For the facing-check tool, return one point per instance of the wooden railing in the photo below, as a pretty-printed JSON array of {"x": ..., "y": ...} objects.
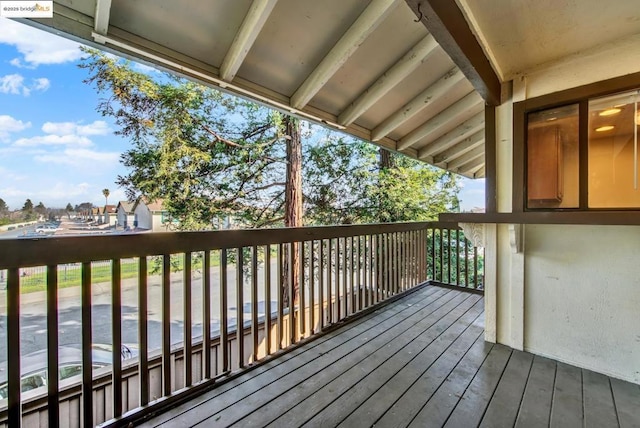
[{"x": 208, "y": 304}]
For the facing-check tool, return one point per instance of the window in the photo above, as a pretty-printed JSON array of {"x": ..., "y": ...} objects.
[
  {"x": 552, "y": 158},
  {"x": 579, "y": 153},
  {"x": 613, "y": 152}
]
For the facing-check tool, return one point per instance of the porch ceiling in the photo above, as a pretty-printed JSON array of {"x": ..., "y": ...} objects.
[
  {"x": 364, "y": 67},
  {"x": 522, "y": 35}
]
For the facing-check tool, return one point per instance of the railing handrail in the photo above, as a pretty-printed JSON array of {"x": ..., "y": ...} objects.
[{"x": 30, "y": 252}]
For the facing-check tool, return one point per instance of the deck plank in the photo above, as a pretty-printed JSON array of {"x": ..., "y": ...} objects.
[
  {"x": 566, "y": 409},
  {"x": 627, "y": 399},
  {"x": 503, "y": 408},
  {"x": 393, "y": 377},
  {"x": 535, "y": 409},
  {"x": 224, "y": 395},
  {"x": 404, "y": 395},
  {"x": 474, "y": 401},
  {"x": 437, "y": 410},
  {"x": 599, "y": 409},
  {"x": 366, "y": 344},
  {"x": 350, "y": 366}
]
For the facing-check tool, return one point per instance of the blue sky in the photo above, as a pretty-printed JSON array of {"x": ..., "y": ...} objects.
[{"x": 54, "y": 147}]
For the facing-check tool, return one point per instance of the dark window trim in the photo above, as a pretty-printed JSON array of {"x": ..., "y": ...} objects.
[{"x": 579, "y": 95}]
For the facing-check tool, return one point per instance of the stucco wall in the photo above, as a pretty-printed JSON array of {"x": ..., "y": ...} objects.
[
  {"x": 143, "y": 216},
  {"x": 582, "y": 296}
]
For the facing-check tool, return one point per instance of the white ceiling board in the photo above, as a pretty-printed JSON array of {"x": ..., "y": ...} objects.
[{"x": 522, "y": 34}]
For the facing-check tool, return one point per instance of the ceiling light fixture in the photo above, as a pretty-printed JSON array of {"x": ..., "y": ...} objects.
[
  {"x": 605, "y": 128},
  {"x": 610, "y": 111}
]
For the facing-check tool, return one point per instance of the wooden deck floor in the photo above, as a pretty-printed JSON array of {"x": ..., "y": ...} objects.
[{"x": 420, "y": 361}]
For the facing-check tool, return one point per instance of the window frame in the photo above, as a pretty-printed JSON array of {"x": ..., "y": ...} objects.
[{"x": 581, "y": 96}]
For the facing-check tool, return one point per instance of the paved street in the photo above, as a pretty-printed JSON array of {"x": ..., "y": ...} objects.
[{"x": 33, "y": 311}]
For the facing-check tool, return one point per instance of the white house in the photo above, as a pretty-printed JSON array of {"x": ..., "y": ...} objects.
[
  {"x": 150, "y": 215},
  {"x": 109, "y": 215},
  {"x": 124, "y": 214}
]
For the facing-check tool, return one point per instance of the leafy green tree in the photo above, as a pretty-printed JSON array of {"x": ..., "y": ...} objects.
[
  {"x": 69, "y": 209},
  {"x": 40, "y": 209},
  {"x": 206, "y": 154},
  {"x": 350, "y": 181},
  {"x": 211, "y": 156},
  {"x": 4, "y": 208},
  {"x": 27, "y": 210},
  {"x": 28, "y": 206}
]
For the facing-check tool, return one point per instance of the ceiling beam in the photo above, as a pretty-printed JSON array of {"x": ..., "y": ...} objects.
[
  {"x": 252, "y": 24},
  {"x": 101, "y": 20},
  {"x": 350, "y": 41},
  {"x": 481, "y": 173},
  {"x": 459, "y": 149},
  {"x": 432, "y": 93},
  {"x": 445, "y": 20},
  {"x": 389, "y": 79},
  {"x": 467, "y": 157},
  {"x": 453, "y": 137},
  {"x": 472, "y": 167},
  {"x": 431, "y": 127}
]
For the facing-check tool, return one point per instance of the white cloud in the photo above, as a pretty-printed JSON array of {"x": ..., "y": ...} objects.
[
  {"x": 11, "y": 84},
  {"x": 81, "y": 157},
  {"x": 8, "y": 124},
  {"x": 54, "y": 140},
  {"x": 10, "y": 175},
  {"x": 14, "y": 84},
  {"x": 37, "y": 46},
  {"x": 98, "y": 127},
  {"x": 41, "y": 84}
]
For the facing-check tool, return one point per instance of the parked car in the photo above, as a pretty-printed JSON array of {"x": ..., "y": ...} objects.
[
  {"x": 47, "y": 228},
  {"x": 34, "y": 366}
]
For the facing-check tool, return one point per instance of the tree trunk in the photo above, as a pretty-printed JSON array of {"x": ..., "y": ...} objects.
[{"x": 293, "y": 201}]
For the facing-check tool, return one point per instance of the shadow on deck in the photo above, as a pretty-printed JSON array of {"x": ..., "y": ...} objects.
[{"x": 419, "y": 361}]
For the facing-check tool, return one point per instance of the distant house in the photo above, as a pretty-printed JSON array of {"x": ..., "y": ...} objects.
[
  {"x": 109, "y": 215},
  {"x": 124, "y": 214},
  {"x": 150, "y": 215},
  {"x": 96, "y": 215}
]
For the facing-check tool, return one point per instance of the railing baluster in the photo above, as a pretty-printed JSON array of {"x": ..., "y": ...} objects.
[
  {"x": 267, "y": 298},
  {"x": 337, "y": 280},
  {"x": 301, "y": 294},
  {"x": 188, "y": 357},
  {"x": 449, "y": 256},
  {"x": 345, "y": 271},
  {"x": 53, "y": 403},
  {"x": 292, "y": 294},
  {"x": 458, "y": 279},
  {"x": 359, "y": 274},
  {"x": 321, "y": 284},
  {"x": 13, "y": 347},
  {"x": 166, "y": 324},
  {"x": 330, "y": 310},
  {"x": 312, "y": 288},
  {"x": 466, "y": 263},
  {"x": 353, "y": 286},
  {"x": 254, "y": 303},
  {"x": 143, "y": 336},
  {"x": 206, "y": 315},
  {"x": 116, "y": 334},
  {"x": 87, "y": 363},
  {"x": 371, "y": 264},
  {"x": 240, "y": 306},
  {"x": 224, "y": 315},
  {"x": 280, "y": 261},
  {"x": 475, "y": 267}
]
